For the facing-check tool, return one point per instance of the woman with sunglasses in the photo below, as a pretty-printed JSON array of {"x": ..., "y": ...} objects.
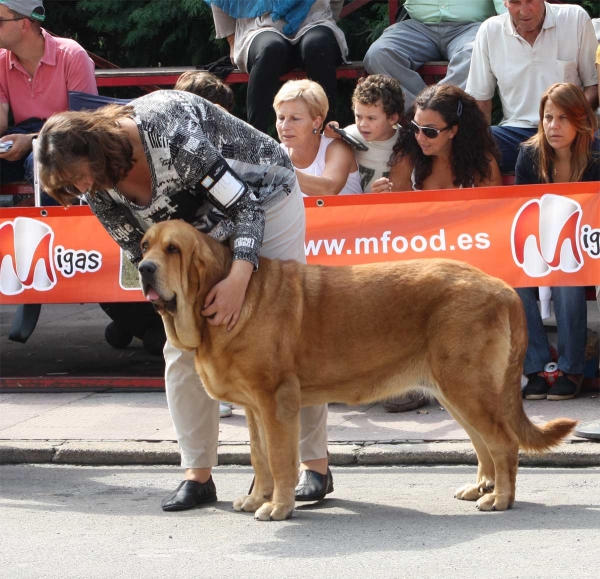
[
  {"x": 561, "y": 151},
  {"x": 447, "y": 145}
]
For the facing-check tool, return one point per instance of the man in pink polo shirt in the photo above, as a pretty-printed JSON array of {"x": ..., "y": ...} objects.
[{"x": 36, "y": 72}]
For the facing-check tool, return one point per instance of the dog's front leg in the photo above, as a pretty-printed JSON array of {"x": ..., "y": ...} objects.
[
  {"x": 280, "y": 420},
  {"x": 263, "y": 480}
]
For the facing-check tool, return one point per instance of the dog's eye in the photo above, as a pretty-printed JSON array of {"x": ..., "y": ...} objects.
[
  {"x": 144, "y": 247},
  {"x": 172, "y": 249}
]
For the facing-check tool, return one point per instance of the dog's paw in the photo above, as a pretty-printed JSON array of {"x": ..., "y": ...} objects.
[
  {"x": 474, "y": 492},
  {"x": 493, "y": 502},
  {"x": 274, "y": 512},
  {"x": 247, "y": 503},
  {"x": 468, "y": 493}
]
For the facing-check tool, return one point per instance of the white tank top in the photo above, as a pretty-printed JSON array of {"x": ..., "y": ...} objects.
[{"x": 317, "y": 167}]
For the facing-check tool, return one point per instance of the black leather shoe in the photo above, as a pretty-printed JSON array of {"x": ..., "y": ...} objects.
[
  {"x": 313, "y": 486},
  {"x": 190, "y": 494}
]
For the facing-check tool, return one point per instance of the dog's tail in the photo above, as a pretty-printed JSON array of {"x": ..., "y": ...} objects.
[{"x": 531, "y": 437}]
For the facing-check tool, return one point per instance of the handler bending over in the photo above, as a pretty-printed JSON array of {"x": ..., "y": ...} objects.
[{"x": 173, "y": 155}]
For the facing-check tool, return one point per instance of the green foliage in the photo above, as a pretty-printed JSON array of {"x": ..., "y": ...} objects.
[
  {"x": 592, "y": 7},
  {"x": 152, "y": 32}
]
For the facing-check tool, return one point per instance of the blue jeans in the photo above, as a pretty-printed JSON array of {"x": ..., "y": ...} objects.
[
  {"x": 508, "y": 140},
  {"x": 571, "y": 322},
  {"x": 405, "y": 46}
]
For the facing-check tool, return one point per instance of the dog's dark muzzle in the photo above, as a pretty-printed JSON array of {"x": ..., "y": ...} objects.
[{"x": 147, "y": 270}]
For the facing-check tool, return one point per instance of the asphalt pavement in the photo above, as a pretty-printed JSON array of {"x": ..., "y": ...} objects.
[{"x": 380, "y": 523}]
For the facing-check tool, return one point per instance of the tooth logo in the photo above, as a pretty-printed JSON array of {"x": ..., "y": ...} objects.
[
  {"x": 26, "y": 256},
  {"x": 545, "y": 236}
]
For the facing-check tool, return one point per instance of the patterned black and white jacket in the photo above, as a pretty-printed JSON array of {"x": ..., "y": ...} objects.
[{"x": 208, "y": 168}]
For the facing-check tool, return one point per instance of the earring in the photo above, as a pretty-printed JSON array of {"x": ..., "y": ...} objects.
[{"x": 315, "y": 131}]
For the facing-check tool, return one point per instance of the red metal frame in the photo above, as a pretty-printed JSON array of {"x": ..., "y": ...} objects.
[
  {"x": 80, "y": 383},
  {"x": 16, "y": 189}
]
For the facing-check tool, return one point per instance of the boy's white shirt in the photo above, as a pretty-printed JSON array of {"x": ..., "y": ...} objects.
[{"x": 372, "y": 164}]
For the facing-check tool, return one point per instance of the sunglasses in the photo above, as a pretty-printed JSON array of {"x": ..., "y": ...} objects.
[
  {"x": 12, "y": 19},
  {"x": 429, "y": 132}
]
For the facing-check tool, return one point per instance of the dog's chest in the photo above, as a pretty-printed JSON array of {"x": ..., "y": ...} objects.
[{"x": 215, "y": 377}]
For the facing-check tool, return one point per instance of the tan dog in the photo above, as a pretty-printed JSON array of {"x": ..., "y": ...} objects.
[{"x": 310, "y": 335}]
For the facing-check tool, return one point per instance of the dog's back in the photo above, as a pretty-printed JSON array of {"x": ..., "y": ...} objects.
[{"x": 364, "y": 328}]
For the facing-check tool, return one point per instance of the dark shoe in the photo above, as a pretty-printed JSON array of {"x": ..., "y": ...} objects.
[
  {"x": 536, "y": 388},
  {"x": 313, "y": 486},
  {"x": 190, "y": 494},
  {"x": 406, "y": 402},
  {"x": 563, "y": 389}
]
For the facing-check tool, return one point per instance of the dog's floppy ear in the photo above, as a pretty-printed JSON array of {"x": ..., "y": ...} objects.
[{"x": 201, "y": 269}]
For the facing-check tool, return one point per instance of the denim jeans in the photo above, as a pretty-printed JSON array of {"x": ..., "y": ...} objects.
[
  {"x": 571, "y": 321},
  {"x": 508, "y": 140}
]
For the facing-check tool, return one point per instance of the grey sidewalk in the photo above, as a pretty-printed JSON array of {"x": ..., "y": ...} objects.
[{"x": 135, "y": 428}]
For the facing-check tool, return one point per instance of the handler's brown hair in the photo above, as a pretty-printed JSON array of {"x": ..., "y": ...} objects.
[{"x": 70, "y": 138}]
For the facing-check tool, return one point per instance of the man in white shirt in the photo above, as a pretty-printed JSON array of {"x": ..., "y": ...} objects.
[{"x": 522, "y": 53}]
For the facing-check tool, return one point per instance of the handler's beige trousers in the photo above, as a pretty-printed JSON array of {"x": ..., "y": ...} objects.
[{"x": 195, "y": 415}]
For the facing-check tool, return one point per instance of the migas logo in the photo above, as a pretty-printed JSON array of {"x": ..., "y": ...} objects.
[
  {"x": 547, "y": 235},
  {"x": 28, "y": 259}
]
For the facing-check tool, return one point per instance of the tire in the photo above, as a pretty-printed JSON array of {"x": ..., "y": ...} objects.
[{"x": 117, "y": 337}]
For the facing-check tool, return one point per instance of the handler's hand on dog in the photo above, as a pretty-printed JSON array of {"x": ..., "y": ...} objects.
[{"x": 225, "y": 300}]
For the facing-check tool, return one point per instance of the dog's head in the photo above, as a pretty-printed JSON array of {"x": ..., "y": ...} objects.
[{"x": 179, "y": 267}]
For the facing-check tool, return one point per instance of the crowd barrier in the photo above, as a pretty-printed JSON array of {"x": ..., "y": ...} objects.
[{"x": 541, "y": 235}]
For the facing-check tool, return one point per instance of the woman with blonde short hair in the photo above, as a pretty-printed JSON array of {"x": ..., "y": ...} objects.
[{"x": 324, "y": 166}]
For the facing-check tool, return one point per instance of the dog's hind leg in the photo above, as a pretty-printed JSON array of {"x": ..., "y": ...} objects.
[
  {"x": 263, "y": 479},
  {"x": 280, "y": 420},
  {"x": 485, "y": 464},
  {"x": 483, "y": 412}
]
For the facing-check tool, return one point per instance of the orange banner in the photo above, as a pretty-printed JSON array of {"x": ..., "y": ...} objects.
[{"x": 527, "y": 235}]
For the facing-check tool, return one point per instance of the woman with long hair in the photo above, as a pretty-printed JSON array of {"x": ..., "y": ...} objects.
[
  {"x": 446, "y": 145},
  {"x": 174, "y": 155},
  {"x": 562, "y": 151},
  {"x": 324, "y": 166}
]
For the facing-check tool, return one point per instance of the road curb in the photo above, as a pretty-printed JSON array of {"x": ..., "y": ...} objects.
[{"x": 116, "y": 453}]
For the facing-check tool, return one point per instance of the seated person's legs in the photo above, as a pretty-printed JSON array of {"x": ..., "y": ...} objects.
[
  {"x": 269, "y": 57},
  {"x": 571, "y": 316},
  {"x": 399, "y": 51},
  {"x": 458, "y": 51},
  {"x": 538, "y": 348},
  {"x": 319, "y": 54},
  {"x": 508, "y": 140},
  {"x": 571, "y": 321},
  {"x": 11, "y": 171}
]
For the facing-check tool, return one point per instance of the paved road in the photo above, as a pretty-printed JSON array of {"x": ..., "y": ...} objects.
[{"x": 76, "y": 522}]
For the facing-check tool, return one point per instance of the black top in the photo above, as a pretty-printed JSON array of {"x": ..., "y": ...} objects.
[{"x": 526, "y": 169}]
